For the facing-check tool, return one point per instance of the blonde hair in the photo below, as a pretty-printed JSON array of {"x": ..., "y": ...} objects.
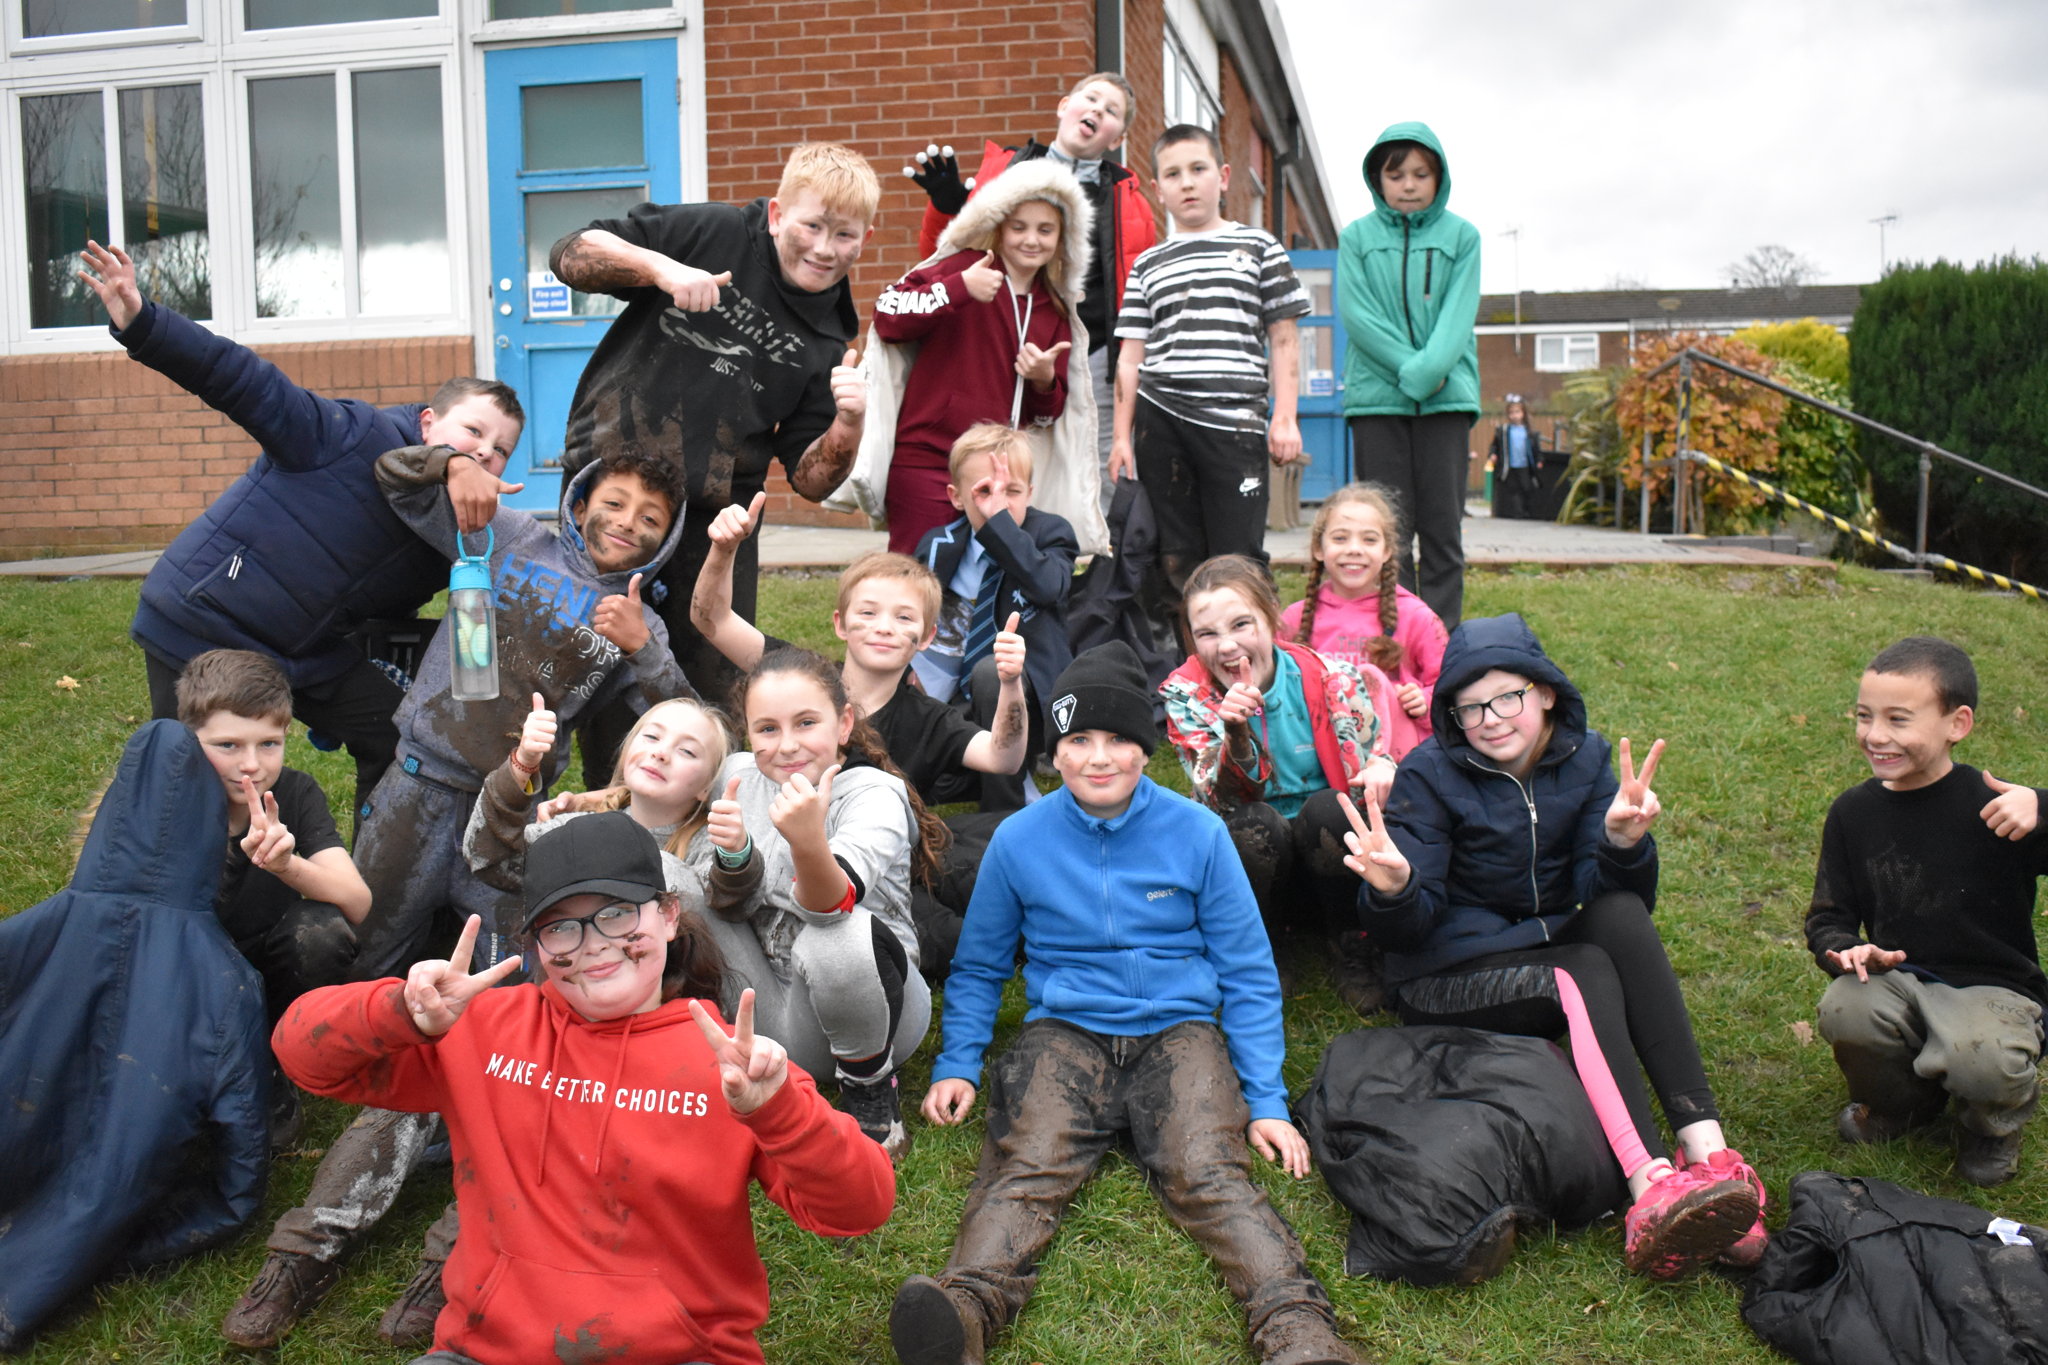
[
  {"x": 986, "y": 438},
  {"x": 889, "y": 564},
  {"x": 1382, "y": 651},
  {"x": 721, "y": 745},
  {"x": 1054, "y": 271},
  {"x": 1117, "y": 79},
  {"x": 841, "y": 176}
]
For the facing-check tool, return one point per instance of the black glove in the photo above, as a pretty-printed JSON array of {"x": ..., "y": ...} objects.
[{"x": 937, "y": 173}]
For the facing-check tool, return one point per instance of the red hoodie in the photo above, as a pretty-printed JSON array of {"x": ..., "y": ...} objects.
[{"x": 601, "y": 1178}]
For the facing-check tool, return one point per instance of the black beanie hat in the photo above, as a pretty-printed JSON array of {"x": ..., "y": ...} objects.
[{"x": 1104, "y": 689}]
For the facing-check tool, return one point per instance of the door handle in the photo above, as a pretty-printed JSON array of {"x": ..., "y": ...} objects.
[{"x": 504, "y": 342}]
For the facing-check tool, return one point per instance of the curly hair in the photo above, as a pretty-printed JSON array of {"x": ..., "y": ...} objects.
[
  {"x": 660, "y": 475},
  {"x": 1383, "y": 651}
]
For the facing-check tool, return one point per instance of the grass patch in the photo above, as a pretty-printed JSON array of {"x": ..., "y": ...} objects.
[{"x": 1748, "y": 673}]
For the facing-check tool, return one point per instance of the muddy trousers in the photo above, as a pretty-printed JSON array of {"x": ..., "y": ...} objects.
[
  {"x": 1422, "y": 461},
  {"x": 295, "y": 945},
  {"x": 357, "y": 1183},
  {"x": 1296, "y": 865},
  {"x": 1906, "y": 1045},
  {"x": 1606, "y": 981},
  {"x": 1208, "y": 488},
  {"x": 1057, "y": 1101},
  {"x": 409, "y": 850}
]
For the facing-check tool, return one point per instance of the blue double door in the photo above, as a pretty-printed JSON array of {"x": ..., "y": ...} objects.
[
  {"x": 574, "y": 132},
  {"x": 1324, "y": 436}
]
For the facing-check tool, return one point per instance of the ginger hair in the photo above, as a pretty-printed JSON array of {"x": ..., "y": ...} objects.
[{"x": 841, "y": 176}]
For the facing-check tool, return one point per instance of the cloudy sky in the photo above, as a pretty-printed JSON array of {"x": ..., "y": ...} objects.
[{"x": 1657, "y": 144}]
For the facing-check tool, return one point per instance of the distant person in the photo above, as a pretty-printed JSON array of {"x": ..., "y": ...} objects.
[
  {"x": 1513, "y": 454},
  {"x": 1408, "y": 293},
  {"x": 1923, "y": 912}
]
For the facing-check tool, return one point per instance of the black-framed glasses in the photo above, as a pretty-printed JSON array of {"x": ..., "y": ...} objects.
[
  {"x": 564, "y": 936},
  {"x": 1507, "y": 706}
]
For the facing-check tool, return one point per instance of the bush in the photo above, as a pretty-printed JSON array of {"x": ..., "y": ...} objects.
[
  {"x": 1959, "y": 357},
  {"x": 1812, "y": 345},
  {"x": 1732, "y": 420}
]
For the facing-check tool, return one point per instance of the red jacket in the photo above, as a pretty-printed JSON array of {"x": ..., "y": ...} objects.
[
  {"x": 601, "y": 1178},
  {"x": 1131, "y": 226},
  {"x": 967, "y": 371}
]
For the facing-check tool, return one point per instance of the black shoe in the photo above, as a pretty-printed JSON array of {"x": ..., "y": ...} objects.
[
  {"x": 287, "y": 1118},
  {"x": 1985, "y": 1160},
  {"x": 877, "y": 1106},
  {"x": 1357, "y": 973},
  {"x": 1859, "y": 1123},
  {"x": 929, "y": 1326},
  {"x": 409, "y": 1321}
]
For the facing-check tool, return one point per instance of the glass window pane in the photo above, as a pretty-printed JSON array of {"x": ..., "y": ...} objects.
[
  {"x": 401, "y": 193},
  {"x": 64, "y": 160},
  {"x": 568, "y": 127},
  {"x": 1316, "y": 280},
  {"x": 295, "y": 197},
  {"x": 163, "y": 196},
  {"x": 50, "y": 18},
  {"x": 548, "y": 9},
  {"x": 554, "y": 214},
  {"x": 294, "y": 13}
]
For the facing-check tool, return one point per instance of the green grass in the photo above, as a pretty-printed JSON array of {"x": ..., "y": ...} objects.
[{"x": 1749, "y": 674}]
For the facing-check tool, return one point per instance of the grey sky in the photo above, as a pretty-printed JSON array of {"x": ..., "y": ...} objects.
[{"x": 1661, "y": 143}]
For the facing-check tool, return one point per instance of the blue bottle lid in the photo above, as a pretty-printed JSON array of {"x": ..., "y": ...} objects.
[{"x": 473, "y": 571}]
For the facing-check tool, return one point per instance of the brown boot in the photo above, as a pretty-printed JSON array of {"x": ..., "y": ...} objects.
[
  {"x": 287, "y": 1288},
  {"x": 928, "y": 1325},
  {"x": 1302, "y": 1336},
  {"x": 409, "y": 1321}
]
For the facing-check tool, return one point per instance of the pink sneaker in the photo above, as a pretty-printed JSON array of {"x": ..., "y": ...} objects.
[
  {"x": 1748, "y": 1249},
  {"x": 1685, "y": 1220}
]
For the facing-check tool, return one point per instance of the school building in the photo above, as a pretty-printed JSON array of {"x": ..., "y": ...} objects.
[{"x": 365, "y": 191}]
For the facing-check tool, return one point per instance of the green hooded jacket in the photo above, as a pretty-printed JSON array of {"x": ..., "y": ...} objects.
[{"x": 1408, "y": 291}]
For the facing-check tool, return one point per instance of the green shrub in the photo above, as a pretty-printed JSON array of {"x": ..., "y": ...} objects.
[{"x": 1809, "y": 343}]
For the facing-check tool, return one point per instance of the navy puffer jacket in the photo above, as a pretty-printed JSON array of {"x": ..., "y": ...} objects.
[
  {"x": 1500, "y": 863},
  {"x": 300, "y": 549}
]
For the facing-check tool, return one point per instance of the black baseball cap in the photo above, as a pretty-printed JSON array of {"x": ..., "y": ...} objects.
[{"x": 610, "y": 853}]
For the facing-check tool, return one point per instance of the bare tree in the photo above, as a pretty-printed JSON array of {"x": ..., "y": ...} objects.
[
  {"x": 1771, "y": 267},
  {"x": 1622, "y": 281}
]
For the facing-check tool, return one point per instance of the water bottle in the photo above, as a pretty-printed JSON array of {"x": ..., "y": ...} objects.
[{"x": 473, "y": 624}]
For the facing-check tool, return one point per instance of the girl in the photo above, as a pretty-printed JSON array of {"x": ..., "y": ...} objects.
[
  {"x": 817, "y": 838},
  {"x": 1511, "y": 884},
  {"x": 1354, "y": 609},
  {"x": 985, "y": 331},
  {"x": 1408, "y": 291},
  {"x": 1270, "y": 732},
  {"x": 606, "y": 1126},
  {"x": 1512, "y": 457}
]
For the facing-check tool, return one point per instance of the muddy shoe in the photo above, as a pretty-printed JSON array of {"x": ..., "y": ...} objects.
[
  {"x": 877, "y": 1106},
  {"x": 1687, "y": 1219},
  {"x": 287, "y": 1116},
  {"x": 1301, "y": 1336},
  {"x": 1985, "y": 1160},
  {"x": 287, "y": 1288},
  {"x": 409, "y": 1321},
  {"x": 1859, "y": 1123},
  {"x": 1356, "y": 973},
  {"x": 930, "y": 1326}
]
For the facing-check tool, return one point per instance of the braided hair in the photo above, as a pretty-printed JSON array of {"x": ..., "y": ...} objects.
[{"x": 1383, "y": 651}]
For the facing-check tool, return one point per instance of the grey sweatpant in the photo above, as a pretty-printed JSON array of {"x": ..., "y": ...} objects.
[{"x": 1905, "y": 1045}]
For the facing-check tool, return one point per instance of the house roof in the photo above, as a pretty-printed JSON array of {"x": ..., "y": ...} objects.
[{"x": 1677, "y": 307}]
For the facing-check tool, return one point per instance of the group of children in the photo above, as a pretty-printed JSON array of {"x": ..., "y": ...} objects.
[{"x": 1430, "y": 808}]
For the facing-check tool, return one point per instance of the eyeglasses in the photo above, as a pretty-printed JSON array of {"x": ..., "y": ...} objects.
[
  {"x": 564, "y": 936},
  {"x": 1507, "y": 706}
]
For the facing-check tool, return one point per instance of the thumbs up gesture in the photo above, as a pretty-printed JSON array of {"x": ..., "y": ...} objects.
[
  {"x": 2014, "y": 812},
  {"x": 473, "y": 492},
  {"x": 1009, "y": 650},
  {"x": 983, "y": 278},
  {"x": 1038, "y": 366},
  {"x": 694, "y": 290},
  {"x": 850, "y": 389},
  {"x": 724, "y": 825},
  {"x": 735, "y": 523},
  {"x": 937, "y": 173},
  {"x": 537, "y": 735},
  {"x": 621, "y": 619}
]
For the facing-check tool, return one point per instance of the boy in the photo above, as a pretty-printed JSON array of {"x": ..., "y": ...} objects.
[
  {"x": 1111, "y": 881},
  {"x": 1092, "y": 118},
  {"x": 300, "y": 549},
  {"x": 1199, "y": 314},
  {"x": 289, "y": 896},
  {"x": 733, "y": 351},
  {"x": 1923, "y": 913},
  {"x": 572, "y": 628}
]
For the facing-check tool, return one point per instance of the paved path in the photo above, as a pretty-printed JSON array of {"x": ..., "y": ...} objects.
[{"x": 1487, "y": 541}]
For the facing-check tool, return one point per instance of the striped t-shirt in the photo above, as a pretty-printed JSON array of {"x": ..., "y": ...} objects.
[{"x": 1202, "y": 304}]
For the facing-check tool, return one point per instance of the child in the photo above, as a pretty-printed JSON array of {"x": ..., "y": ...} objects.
[
  {"x": 289, "y": 896},
  {"x": 1199, "y": 314},
  {"x": 818, "y": 839},
  {"x": 1511, "y": 884},
  {"x": 1092, "y": 118},
  {"x": 1137, "y": 927},
  {"x": 1511, "y": 455},
  {"x": 985, "y": 328},
  {"x": 1408, "y": 292},
  {"x": 607, "y": 1200},
  {"x": 1923, "y": 912},
  {"x": 1354, "y": 609},
  {"x": 1270, "y": 733},
  {"x": 299, "y": 550},
  {"x": 571, "y": 626}
]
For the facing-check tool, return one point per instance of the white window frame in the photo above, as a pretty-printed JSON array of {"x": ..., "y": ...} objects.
[
  {"x": 1179, "y": 69},
  {"x": 20, "y": 45},
  {"x": 1566, "y": 343},
  {"x": 655, "y": 16}
]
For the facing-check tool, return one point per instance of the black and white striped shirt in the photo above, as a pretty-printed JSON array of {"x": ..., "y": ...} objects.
[{"x": 1202, "y": 304}]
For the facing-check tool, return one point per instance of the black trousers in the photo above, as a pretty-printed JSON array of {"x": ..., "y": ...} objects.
[
  {"x": 1296, "y": 865},
  {"x": 1208, "y": 488},
  {"x": 1421, "y": 461}
]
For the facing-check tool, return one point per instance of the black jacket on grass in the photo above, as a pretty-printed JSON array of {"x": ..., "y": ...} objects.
[{"x": 132, "y": 1044}]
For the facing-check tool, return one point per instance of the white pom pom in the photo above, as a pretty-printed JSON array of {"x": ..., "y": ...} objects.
[
  {"x": 910, "y": 171},
  {"x": 949, "y": 151},
  {"x": 970, "y": 182},
  {"x": 933, "y": 150}
]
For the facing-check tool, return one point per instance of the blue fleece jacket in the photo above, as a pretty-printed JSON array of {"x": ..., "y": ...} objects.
[
  {"x": 1499, "y": 862},
  {"x": 1130, "y": 926}
]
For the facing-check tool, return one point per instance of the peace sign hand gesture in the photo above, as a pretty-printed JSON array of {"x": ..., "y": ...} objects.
[
  {"x": 1635, "y": 805},
  {"x": 751, "y": 1068},
  {"x": 436, "y": 993},
  {"x": 268, "y": 844},
  {"x": 1374, "y": 854}
]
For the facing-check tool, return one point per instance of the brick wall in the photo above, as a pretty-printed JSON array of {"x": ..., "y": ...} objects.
[
  {"x": 100, "y": 453},
  {"x": 1501, "y": 371}
]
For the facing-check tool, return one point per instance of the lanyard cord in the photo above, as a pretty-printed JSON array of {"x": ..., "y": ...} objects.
[{"x": 1023, "y": 326}]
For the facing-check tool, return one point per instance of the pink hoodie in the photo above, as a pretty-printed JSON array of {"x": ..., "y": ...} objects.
[{"x": 1343, "y": 625}]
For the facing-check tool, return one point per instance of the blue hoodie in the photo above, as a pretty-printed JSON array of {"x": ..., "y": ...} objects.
[
  {"x": 1499, "y": 863},
  {"x": 1130, "y": 926}
]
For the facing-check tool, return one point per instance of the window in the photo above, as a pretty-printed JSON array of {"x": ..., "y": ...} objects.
[
  {"x": 1187, "y": 94},
  {"x": 62, "y": 18},
  {"x": 261, "y": 14},
  {"x": 1563, "y": 351},
  {"x": 549, "y": 9}
]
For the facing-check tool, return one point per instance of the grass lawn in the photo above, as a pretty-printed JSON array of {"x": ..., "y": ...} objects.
[{"x": 1749, "y": 674}]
